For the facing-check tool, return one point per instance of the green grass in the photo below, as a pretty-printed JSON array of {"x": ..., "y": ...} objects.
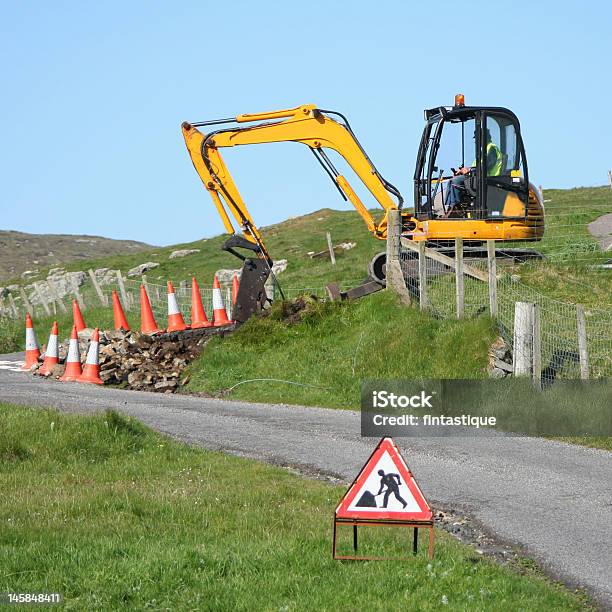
[
  {"x": 334, "y": 347},
  {"x": 114, "y": 516},
  {"x": 291, "y": 240},
  {"x": 567, "y": 274},
  {"x": 569, "y": 249}
]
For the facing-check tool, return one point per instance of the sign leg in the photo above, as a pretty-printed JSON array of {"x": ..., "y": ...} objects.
[
  {"x": 431, "y": 542},
  {"x": 415, "y": 540},
  {"x": 334, "y": 541},
  {"x": 355, "y": 538}
]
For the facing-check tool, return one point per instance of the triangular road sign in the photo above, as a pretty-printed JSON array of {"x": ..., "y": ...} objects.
[{"x": 385, "y": 490}]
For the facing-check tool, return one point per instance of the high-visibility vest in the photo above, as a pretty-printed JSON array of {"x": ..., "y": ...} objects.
[{"x": 496, "y": 168}]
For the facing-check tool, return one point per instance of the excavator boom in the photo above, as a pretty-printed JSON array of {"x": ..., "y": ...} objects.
[{"x": 315, "y": 128}]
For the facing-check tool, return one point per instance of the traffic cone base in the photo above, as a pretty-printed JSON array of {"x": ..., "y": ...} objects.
[
  {"x": 91, "y": 369},
  {"x": 175, "y": 318},
  {"x": 198, "y": 314},
  {"x": 32, "y": 352},
  {"x": 73, "y": 361},
  {"x": 148, "y": 324},
  {"x": 51, "y": 354},
  {"x": 219, "y": 313}
]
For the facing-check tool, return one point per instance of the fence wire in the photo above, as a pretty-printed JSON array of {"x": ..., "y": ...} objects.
[{"x": 558, "y": 320}]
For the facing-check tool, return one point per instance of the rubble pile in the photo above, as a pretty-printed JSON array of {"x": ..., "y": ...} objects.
[
  {"x": 151, "y": 363},
  {"x": 140, "y": 361}
]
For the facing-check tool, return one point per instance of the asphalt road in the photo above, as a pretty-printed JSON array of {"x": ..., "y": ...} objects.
[{"x": 553, "y": 499}]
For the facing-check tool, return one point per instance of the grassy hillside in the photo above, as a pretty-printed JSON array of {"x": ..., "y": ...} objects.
[
  {"x": 322, "y": 359},
  {"x": 116, "y": 517},
  {"x": 567, "y": 274},
  {"x": 21, "y": 252},
  {"x": 570, "y": 250}
]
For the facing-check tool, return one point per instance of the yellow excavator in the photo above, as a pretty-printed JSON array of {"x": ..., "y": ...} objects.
[{"x": 470, "y": 180}]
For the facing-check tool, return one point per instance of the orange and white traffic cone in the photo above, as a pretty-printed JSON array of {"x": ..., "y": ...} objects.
[
  {"x": 219, "y": 313},
  {"x": 91, "y": 369},
  {"x": 148, "y": 324},
  {"x": 51, "y": 354},
  {"x": 118, "y": 315},
  {"x": 77, "y": 317},
  {"x": 235, "y": 287},
  {"x": 32, "y": 352},
  {"x": 175, "y": 318},
  {"x": 198, "y": 314},
  {"x": 73, "y": 361}
]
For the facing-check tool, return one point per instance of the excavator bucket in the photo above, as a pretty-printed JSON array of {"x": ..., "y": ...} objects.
[{"x": 252, "y": 296}]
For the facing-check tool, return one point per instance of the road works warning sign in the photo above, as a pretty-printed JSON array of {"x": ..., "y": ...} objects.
[{"x": 385, "y": 489}]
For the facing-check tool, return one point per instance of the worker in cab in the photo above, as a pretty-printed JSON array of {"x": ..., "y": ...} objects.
[
  {"x": 494, "y": 160},
  {"x": 494, "y": 163}
]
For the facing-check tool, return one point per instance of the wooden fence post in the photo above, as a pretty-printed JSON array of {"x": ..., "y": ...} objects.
[
  {"x": 393, "y": 268},
  {"x": 124, "y": 297},
  {"x": 422, "y": 275},
  {"x": 54, "y": 292},
  {"x": 610, "y": 177},
  {"x": 41, "y": 297},
  {"x": 492, "y": 269},
  {"x": 330, "y": 246},
  {"x": 523, "y": 339},
  {"x": 13, "y": 305},
  {"x": 228, "y": 301},
  {"x": 26, "y": 302},
  {"x": 94, "y": 280},
  {"x": 582, "y": 342},
  {"x": 459, "y": 286},
  {"x": 536, "y": 347},
  {"x": 79, "y": 297}
]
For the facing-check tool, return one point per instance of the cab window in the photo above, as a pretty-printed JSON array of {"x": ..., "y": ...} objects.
[{"x": 502, "y": 151}]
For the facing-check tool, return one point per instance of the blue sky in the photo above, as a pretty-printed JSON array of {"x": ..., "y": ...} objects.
[{"x": 94, "y": 94}]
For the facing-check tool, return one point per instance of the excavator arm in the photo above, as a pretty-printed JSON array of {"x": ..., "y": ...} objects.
[{"x": 315, "y": 128}]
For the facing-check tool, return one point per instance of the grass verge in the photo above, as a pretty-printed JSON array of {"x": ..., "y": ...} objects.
[
  {"x": 323, "y": 358},
  {"x": 114, "y": 516}
]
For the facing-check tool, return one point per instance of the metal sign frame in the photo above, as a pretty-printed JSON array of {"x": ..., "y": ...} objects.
[{"x": 389, "y": 518}]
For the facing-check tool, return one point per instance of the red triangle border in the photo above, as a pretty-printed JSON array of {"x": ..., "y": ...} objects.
[{"x": 388, "y": 445}]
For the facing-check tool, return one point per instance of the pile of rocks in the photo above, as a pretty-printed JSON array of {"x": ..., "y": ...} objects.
[
  {"x": 500, "y": 359},
  {"x": 139, "y": 361},
  {"x": 151, "y": 363}
]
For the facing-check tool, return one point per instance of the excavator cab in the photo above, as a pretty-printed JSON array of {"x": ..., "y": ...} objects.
[{"x": 471, "y": 165}]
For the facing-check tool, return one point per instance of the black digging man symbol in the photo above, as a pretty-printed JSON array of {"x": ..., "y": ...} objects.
[{"x": 392, "y": 483}]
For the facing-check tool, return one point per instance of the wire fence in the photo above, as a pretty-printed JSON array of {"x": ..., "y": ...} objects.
[
  {"x": 46, "y": 301},
  {"x": 560, "y": 349},
  {"x": 558, "y": 321}
]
